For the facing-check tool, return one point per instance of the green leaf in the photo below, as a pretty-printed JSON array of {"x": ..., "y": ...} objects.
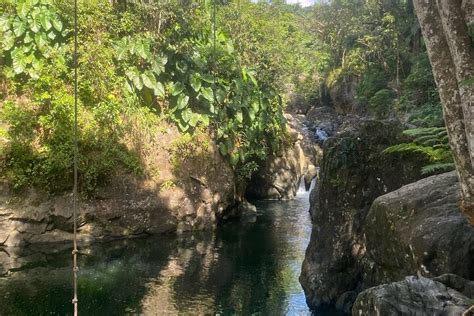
[
  {"x": 207, "y": 78},
  {"x": 4, "y": 23},
  {"x": 149, "y": 80},
  {"x": 19, "y": 64},
  {"x": 157, "y": 68},
  {"x": 194, "y": 120},
  {"x": 220, "y": 95},
  {"x": 182, "y": 66},
  {"x": 8, "y": 41},
  {"x": 159, "y": 90},
  {"x": 212, "y": 108},
  {"x": 182, "y": 101},
  {"x": 177, "y": 88},
  {"x": 19, "y": 27},
  {"x": 183, "y": 126},
  {"x": 252, "y": 78},
  {"x": 23, "y": 9},
  {"x": 239, "y": 116},
  {"x": 52, "y": 35},
  {"x": 205, "y": 120},
  {"x": 27, "y": 48},
  {"x": 255, "y": 106},
  {"x": 45, "y": 21},
  {"x": 40, "y": 40},
  {"x": 57, "y": 24},
  {"x": 223, "y": 149},
  {"x": 195, "y": 82},
  {"x": 251, "y": 114},
  {"x": 35, "y": 25},
  {"x": 141, "y": 50},
  {"x": 134, "y": 76},
  {"x": 207, "y": 93},
  {"x": 186, "y": 115},
  {"x": 28, "y": 38}
]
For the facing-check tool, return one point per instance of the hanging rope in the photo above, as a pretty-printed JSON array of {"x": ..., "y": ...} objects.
[
  {"x": 214, "y": 61},
  {"x": 75, "y": 268}
]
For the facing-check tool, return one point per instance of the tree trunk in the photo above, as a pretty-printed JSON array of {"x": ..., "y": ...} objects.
[{"x": 452, "y": 59}]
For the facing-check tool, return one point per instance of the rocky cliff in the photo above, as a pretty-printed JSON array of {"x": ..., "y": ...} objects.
[
  {"x": 370, "y": 227},
  {"x": 354, "y": 172},
  {"x": 187, "y": 185}
]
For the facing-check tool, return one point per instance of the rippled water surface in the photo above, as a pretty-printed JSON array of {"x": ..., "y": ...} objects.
[{"x": 240, "y": 269}]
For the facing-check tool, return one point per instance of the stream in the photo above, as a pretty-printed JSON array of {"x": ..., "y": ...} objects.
[{"x": 250, "y": 268}]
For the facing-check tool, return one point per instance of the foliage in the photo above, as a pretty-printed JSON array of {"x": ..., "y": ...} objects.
[
  {"x": 132, "y": 71},
  {"x": 272, "y": 38},
  {"x": 33, "y": 34},
  {"x": 431, "y": 142},
  {"x": 381, "y": 102},
  {"x": 419, "y": 95},
  {"x": 39, "y": 113},
  {"x": 377, "y": 45}
]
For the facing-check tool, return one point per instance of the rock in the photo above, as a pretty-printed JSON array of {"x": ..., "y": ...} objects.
[
  {"x": 323, "y": 118},
  {"x": 311, "y": 173},
  {"x": 344, "y": 95},
  {"x": 345, "y": 301},
  {"x": 353, "y": 173},
  {"x": 412, "y": 296},
  {"x": 297, "y": 104},
  {"x": 191, "y": 191},
  {"x": 279, "y": 176},
  {"x": 245, "y": 211},
  {"x": 457, "y": 283},
  {"x": 418, "y": 229}
]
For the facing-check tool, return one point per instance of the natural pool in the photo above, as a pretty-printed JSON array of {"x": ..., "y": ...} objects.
[{"x": 242, "y": 269}]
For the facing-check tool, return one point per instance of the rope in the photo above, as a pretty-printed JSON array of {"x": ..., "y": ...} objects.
[
  {"x": 214, "y": 61},
  {"x": 75, "y": 268}
]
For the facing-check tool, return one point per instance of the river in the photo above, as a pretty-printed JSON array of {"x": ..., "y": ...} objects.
[{"x": 244, "y": 269}]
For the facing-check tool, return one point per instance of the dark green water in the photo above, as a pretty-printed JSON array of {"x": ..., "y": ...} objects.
[{"x": 241, "y": 269}]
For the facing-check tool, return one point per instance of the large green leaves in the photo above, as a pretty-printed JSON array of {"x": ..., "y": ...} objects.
[
  {"x": 34, "y": 29},
  {"x": 195, "y": 82},
  {"x": 182, "y": 101}
]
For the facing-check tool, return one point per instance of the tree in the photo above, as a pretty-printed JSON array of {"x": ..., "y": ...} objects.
[{"x": 445, "y": 30}]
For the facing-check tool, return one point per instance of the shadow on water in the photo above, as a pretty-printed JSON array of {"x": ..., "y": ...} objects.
[{"x": 240, "y": 269}]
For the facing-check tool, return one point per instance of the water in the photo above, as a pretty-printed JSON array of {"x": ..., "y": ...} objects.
[
  {"x": 243, "y": 269},
  {"x": 321, "y": 134}
]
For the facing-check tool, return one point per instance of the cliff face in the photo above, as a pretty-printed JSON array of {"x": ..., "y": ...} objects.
[
  {"x": 353, "y": 173},
  {"x": 279, "y": 177},
  {"x": 187, "y": 186},
  {"x": 373, "y": 224}
]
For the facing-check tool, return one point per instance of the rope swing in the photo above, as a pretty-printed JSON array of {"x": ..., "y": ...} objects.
[{"x": 75, "y": 268}]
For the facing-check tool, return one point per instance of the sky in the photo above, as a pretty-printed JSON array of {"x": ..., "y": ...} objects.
[{"x": 303, "y": 3}]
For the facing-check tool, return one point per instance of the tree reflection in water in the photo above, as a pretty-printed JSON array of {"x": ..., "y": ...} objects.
[{"x": 241, "y": 268}]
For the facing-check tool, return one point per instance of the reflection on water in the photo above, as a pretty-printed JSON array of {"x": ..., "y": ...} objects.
[{"x": 240, "y": 269}]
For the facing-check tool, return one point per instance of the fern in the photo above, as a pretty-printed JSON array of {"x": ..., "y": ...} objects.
[
  {"x": 432, "y": 142},
  {"x": 432, "y": 168}
]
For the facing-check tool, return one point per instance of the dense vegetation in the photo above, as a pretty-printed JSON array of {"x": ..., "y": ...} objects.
[
  {"x": 151, "y": 63},
  {"x": 135, "y": 68}
]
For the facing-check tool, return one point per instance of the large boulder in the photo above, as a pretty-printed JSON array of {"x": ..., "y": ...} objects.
[
  {"x": 412, "y": 296},
  {"x": 279, "y": 176},
  {"x": 187, "y": 186},
  {"x": 418, "y": 229},
  {"x": 343, "y": 95},
  {"x": 353, "y": 173}
]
